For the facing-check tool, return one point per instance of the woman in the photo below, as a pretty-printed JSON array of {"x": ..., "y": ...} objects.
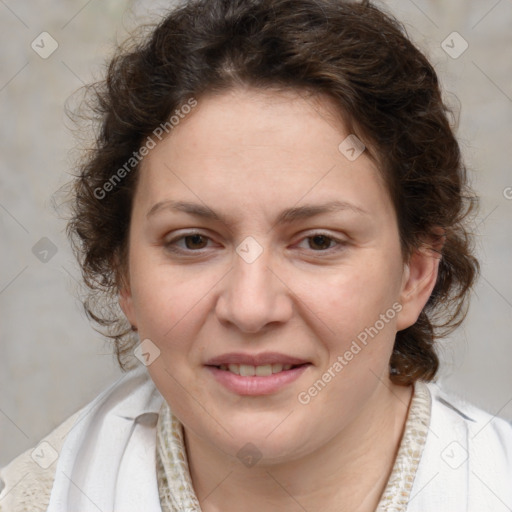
[{"x": 278, "y": 205}]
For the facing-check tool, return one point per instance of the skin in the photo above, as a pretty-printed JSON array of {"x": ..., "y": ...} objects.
[{"x": 247, "y": 155}]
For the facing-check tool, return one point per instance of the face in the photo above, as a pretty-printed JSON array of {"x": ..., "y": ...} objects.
[{"x": 265, "y": 267}]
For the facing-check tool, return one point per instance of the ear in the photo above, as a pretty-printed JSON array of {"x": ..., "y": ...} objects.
[{"x": 419, "y": 279}]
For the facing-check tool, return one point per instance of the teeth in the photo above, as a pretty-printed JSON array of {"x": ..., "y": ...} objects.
[
  {"x": 247, "y": 370},
  {"x": 234, "y": 368},
  {"x": 264, "y": 371}
]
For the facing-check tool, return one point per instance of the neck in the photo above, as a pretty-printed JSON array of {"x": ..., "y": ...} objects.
[{"x": 349, "y": 473}]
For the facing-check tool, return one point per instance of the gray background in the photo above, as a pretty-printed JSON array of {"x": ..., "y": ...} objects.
[{"x": 51, "y": 361}]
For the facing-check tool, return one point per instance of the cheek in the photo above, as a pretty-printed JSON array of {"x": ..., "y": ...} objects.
[
  {"x": 172, "y": 305},
  {"x": 351, "y": 299}
]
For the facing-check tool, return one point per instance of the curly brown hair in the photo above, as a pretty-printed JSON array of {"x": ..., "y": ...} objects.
[{"x": 358, "y": 55}]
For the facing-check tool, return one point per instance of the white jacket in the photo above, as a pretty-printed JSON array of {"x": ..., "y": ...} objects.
[{"x": 103, "y": 458}]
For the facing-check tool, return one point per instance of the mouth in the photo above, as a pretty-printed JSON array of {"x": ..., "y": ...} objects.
[{"x": 260, "y": 374}]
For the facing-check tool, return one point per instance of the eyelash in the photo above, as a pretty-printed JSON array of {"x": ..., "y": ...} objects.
[{"x": 170, "y": 245}]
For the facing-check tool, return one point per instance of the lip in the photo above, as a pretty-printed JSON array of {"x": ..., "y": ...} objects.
[
  {"x": 254, "y": 359},
  {"x": 255, "y": 386}
]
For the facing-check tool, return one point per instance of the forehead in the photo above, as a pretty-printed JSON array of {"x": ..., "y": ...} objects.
[
  {"x": 251, "y": 145},
  {"x": 250, "y": 119}
]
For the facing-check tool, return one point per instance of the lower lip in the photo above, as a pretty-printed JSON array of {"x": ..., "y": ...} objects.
[{"x": 256, "y": 385}]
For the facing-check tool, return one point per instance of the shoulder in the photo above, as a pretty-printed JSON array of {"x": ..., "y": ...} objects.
[
  {"x": 482, "y": 427},
  {"x": 467, "y": 460},
  {"x": 26, "y": 482}
]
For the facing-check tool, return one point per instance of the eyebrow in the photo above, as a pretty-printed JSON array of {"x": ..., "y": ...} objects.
[{"x": 287, "y": 216}]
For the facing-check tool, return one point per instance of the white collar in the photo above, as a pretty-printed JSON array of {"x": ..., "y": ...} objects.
[
  {"x": 107, "y": 461},
  {"x": 467, "y": 461}
]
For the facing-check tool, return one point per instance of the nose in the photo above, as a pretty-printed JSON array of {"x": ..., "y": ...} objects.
[{"x": 254, "y": 295}]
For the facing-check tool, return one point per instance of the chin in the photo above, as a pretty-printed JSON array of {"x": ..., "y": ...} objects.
[{"x": 268, "y": 442}]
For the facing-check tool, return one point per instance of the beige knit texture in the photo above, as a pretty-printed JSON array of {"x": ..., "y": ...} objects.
[{"x": 27, "y": 484}]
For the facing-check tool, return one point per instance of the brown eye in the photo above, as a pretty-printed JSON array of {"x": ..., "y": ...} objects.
[
  {"x": 187, "y": 243},
  {"x": 320, "y": 242},
  {"x": 193, "y": 241}
]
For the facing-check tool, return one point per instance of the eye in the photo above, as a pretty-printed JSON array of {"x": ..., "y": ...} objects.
[
  {"x": 193, "y": 242},
  {"x": 321, "y": 242}
]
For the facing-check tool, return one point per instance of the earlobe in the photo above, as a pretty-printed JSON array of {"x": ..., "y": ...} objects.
[{"x": 419, "y": 280}]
